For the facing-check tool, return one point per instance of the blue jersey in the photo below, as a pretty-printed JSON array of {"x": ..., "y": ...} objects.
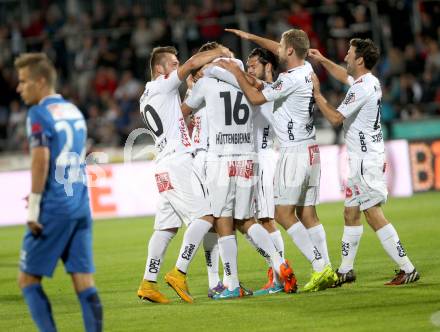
[{"x": 59, "y": 125}]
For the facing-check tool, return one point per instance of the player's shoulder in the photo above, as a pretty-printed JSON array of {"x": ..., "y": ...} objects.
[{"x": 367, "y": 83}]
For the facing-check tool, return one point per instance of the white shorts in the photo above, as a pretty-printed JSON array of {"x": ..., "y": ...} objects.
[
  {"x": 366, "y": 185},
  {"x": 264, "y": 202},
  {"x": 231, "y": 185},
  {"x": 179, "y": 200},
  {"x": 297, "y": 176}
]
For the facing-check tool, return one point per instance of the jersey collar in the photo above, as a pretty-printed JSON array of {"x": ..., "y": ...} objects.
[{"x": 55, "y": 95}]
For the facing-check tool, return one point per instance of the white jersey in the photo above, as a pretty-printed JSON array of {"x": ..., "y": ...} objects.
[
  {"x": 228, "y": 113},
  {"x": 200, "y": 131},
  {"x": 263, "y": 127},
  {"x": 361, "y": 109},
  {"x": 292, "y": 94},
  {"x": 160, "y": 110}
]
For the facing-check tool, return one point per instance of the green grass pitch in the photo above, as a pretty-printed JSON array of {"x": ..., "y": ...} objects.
[{"x": 367, "y": 305}]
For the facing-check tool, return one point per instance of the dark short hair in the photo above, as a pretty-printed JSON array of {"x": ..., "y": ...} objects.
[
  {"x": 39, "y": 65},
  {"x": 366, "y": 49},
  {"x": 157, "y": 55},
  {"x": 265, "y": 57}
]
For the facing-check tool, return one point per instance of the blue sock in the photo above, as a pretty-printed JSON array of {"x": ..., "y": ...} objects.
[
  {"x": 92, "y": 309},
  {"x": 39, "y": 307}
]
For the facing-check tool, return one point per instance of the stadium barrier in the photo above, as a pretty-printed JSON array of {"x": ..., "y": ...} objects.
[{"x": 129, "y": 189}]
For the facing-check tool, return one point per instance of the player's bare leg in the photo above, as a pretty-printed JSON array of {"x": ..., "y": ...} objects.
[{"x": 389, "y": 238}]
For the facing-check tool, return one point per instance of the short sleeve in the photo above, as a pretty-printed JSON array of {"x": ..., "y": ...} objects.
[
  {"x": 221, "y": 74},
  {"x": 355, "y": 98},
  {"x": 38, "y": 129},
  {"x": 281, "y": 88},
  {"x": 196, "y": 97},
  {"x": 169, "y": 82}
]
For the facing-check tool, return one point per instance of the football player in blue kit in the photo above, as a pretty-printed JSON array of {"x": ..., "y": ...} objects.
[{"x": 59, "y": 218}]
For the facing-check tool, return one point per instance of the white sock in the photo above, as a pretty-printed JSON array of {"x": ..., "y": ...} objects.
[
  {"x": 391, "y": 243},
  {"x": 302, "y": 240},
  {"x": 317, "y": 235},
  {"x": 350, "y": 244},
  {"x": 278, "y": 241},
  {"x": 262, "y": 253},
  {"x": 157, "y": 247},
  {"x": 228, "y": 252},
  {"x": 210, "y": 245},
  {"x": 265, "y": 245},
  {"x": 191, "y": 242}
]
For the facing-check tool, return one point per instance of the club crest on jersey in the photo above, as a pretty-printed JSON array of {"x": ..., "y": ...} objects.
[
  {"x": 277, "y": 85},
  {"x": 348, "y": 192},
  {"x": 351, "y": 97},
  {"x": 163, "y": 182}
]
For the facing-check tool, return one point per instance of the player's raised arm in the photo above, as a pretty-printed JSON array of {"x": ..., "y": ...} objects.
[
  {"x": 329, "y": 112},
  {"x": 263, "y": 42},
  {"x": 254, "y": 96},
  {"x": 337, "y": 71},
  {"x": 200, "y": 59}
]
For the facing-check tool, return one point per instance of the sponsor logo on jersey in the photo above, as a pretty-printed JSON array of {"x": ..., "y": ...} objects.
[
  {"x": 153, "y": 266},
  {"x": 278, "y": 85},
  {"x": 290, "y": 130},
  {"x": 184, "y": 135},
  {"x": 362, "y": 142},
  {"x": 265, "y": 136},
  {"x": 235, "y": 138},
  {"x": 163, "y": 182},
  {"x": 241, "y": 168},
  {"x": 162, "y": 144},
  {"x": 308, "y": 79},
  {"x": 377, "y": 138},
  {"x": 351, "y": 97}
]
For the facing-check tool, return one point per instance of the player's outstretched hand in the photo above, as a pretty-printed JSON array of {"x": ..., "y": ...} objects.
[
  {"x": 35, "y": 227},
  {"x": 226, "y": 52},
  {"x": 316, "y": 84},
  {"x": 228, "y": 65},
  {"x": 240, "y": 33},
  {"x": 314, "y": 54}
]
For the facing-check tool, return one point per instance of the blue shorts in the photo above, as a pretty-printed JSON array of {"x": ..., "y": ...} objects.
[{"x": 68, "y": 239}]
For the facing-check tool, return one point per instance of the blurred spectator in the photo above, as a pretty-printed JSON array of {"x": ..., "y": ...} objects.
[{"x": 101, "y": 50}]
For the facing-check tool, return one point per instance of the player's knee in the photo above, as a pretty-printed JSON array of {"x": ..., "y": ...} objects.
[
  {"x": 25, "y": 280},
  {"x": 351, "y": 218}
]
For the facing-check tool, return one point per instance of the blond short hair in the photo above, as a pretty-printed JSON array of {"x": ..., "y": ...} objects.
[
  {"x": 39, "y": 65},
  {"x": 298, "y": 40}
]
